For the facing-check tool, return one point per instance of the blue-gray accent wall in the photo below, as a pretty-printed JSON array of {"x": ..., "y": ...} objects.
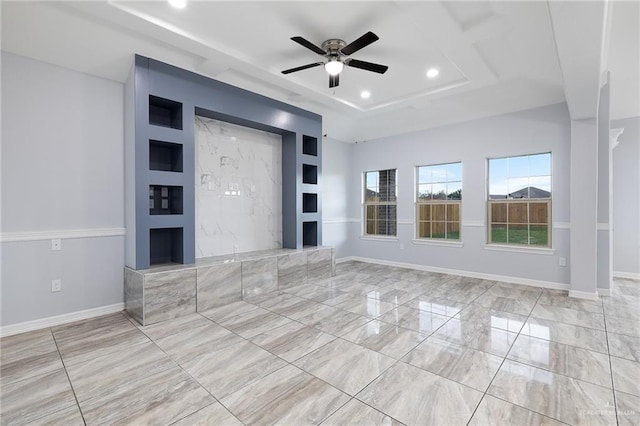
[{"x": 174, "y": 234}]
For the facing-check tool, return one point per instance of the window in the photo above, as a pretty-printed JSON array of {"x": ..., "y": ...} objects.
[
  {"x": 520, "y": 200},
  {"x": 380, "y": 202},
  {"x": 438, "y": 198}
]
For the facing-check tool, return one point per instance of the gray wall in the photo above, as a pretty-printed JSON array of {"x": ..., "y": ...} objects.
[
  {"x": 626, "y": 198},
  {"x": 526, "y": 132},
  {"x": 62, "y": 170}
]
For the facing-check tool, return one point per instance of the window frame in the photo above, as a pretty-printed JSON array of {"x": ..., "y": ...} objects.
[
  {"x": 514, "y": 201},
  {"x": 418, "y": 203},
  {"x": 365, "y": 204}
]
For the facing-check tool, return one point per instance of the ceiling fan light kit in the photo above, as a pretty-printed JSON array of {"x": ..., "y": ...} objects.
[{"x": 336, "y": 52}]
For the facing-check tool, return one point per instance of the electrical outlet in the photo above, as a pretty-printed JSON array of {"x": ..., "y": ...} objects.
[
  {"x": 56, "y": 285},
  {"x": 56, "y": 244},
  {"x": 562, "y": 261}
]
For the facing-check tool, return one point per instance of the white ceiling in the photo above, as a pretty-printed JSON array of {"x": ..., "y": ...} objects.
[{"x": 493, "y": 57}]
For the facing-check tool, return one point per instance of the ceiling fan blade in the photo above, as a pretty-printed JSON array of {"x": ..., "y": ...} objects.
[
  {"x": 368, "y": 66},
  {"x": 334, "y": 80},
  {"x": 306, "y": 43},
  {"x": 358, "y": 44},
  {"x": 304, "y": 67}
]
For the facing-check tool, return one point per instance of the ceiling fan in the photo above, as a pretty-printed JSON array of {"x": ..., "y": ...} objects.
[{"x": 336, "y": 52}]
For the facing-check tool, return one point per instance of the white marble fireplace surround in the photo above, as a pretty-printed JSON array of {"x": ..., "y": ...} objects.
[
  {"x": 170, "y": 291},
  {"x": 238, "y": 196}
]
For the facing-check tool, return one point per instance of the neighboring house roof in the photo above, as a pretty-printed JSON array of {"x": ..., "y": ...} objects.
[{"x": 528, "y": 192}]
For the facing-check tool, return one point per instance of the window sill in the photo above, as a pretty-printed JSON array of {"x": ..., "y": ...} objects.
[
  {"x": 379, "y": 238},
  {"x": 520, "y": 249},
  {"x": 442, "y": 243}
]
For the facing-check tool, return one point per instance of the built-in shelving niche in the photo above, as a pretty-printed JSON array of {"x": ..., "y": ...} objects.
[
  {"x": 165, "y": 245},
  {"x": 165, "y": 199},
  {"x": 309, "y": 203},
  {"x": 310, "y": 145},
  {"x": 310, "y": 174},
  {"x": 165, "y": 112},
  {"x": 165, "y": 156},
  {"x": 310, "y": 233}
]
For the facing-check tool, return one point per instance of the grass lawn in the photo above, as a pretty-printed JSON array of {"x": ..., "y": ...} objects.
[{"x": 537, "y": 237}]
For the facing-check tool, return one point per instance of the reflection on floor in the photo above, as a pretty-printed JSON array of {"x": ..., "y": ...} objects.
[{"x": 372, "y": 345}]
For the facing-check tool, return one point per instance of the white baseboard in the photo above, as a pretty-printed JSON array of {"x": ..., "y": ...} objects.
[
  {"x": 627, "y": 275},
  {"x": 604, "y": 292},
  {"x": 470, "y": 274},
  {"x": 584, "y": 294},
  {"x": 23, "y": 327}
]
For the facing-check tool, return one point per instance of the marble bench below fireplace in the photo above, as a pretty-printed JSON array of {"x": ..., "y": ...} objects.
[{"x": 170, "y": 291}]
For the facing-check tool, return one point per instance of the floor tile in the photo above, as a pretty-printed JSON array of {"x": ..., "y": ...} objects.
[
  {"x": 436, "y": 305},
  {"x": 29, "y": 366},
  {"x": 515, "y": 291},
  {"x": 416, "y": 397},
  {"x": 192, "y": 343},
  {"x": 214, "y": 414},
  {"x": 391, "y": 295},
  {"x": 492, "y": 318},
  {"x": 560, "y": 397},
  {"x": 221, "y": 313},
  {"x": 166, "y": 328},
  {"x": 494, "y": 411},
  {"x": 561, "y": 299},
  {"x": 69, "y": 416},
  {"x": 414, "y": 319},
  {"x": 27, "y": 345},
  {"x": 345, "y": 365},
  {"x": 458, "y": 363},
  {"x": 622, "y": 346},
  {"x": 288, "y": 396},
  {"x": 505, "y": 304},
  {"x": 226, "y": 370},
  {"x": 569, "y": 316},
  {"x": 468, "y": 333},
  {"x": 83, "y": 340},
  {"x": 626, "y": 375},
  {"x": 365, "y": 306},
  {"x": 626, "y": 287},
  {"x": 628, "y": 409},
  {"x": 582, "y": 364},
  {"x": 292, "y": 341},
  {"x": 104, "y": 374},
  {"x": 254, "y": 322},
  {"x": 360, "y": 289},
  {"x": 27, "y": 400},
  {"x": 356, "y": 413},
  {"x": 332, "y": 320},
  {"x": 385, "y": 338},
  {"x": 626, "y": 326},
  {"x": 630, "y": 309},
  {"x": 582, "y": 337},
  {"x": 159, "y": 399}
]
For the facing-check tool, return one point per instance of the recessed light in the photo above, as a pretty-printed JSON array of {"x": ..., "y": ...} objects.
[
  {"x": 178, "y": 4},
  {"x": 365, "y": 94},
  {"x": 433, "y": 73}
]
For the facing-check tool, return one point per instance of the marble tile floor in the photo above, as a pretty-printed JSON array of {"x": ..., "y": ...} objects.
[{"x": 375, "y": 345}]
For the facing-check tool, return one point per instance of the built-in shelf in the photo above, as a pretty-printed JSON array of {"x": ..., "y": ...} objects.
[
  {"x": 165, "y": 112},
  {"x": 309, "y": 203},
  {"x": 165, "y": 199},
  {"x": 309, "y": 174},
  {"x": 310, "y": 145},
  {"x": 310, "y": 233},
  {"x": 165, "y": 156},
  {"x": 165, "y": 245}
]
